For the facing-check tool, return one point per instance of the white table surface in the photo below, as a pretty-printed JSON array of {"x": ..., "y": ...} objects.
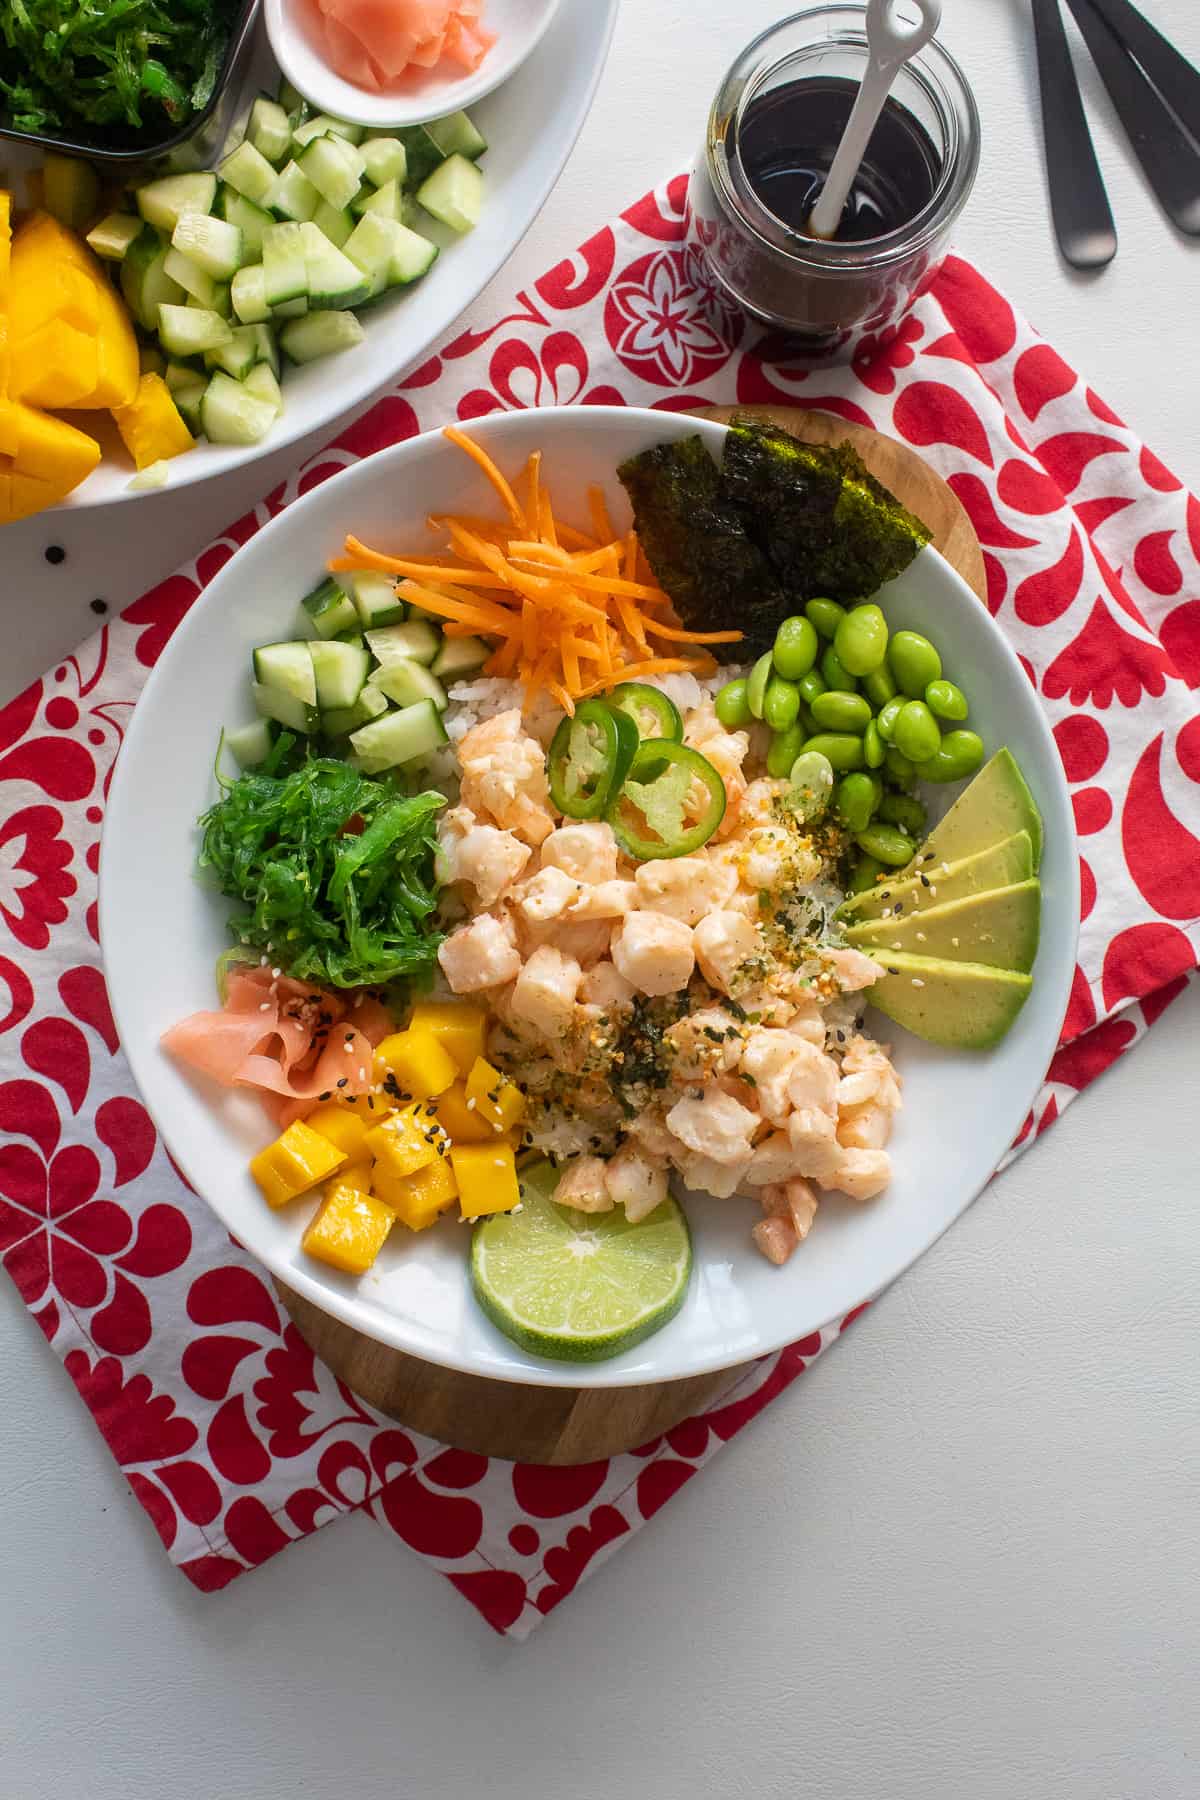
[{"x": 959, "y": 1561}]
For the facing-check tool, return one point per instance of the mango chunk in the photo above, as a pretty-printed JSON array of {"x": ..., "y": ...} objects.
[
  {"x": 465, "y": 1124},
  {"x": 151, "y": 426},
  {"x": 458, "y": 1026},
  {"x": 41, "y": 459},
  {"x": 418, "y": 1064},
  {"x": 406, "y": 1141},
  {"x": 421, "y": 1196},
  {"x": 343, "y": 1127},
  {"x": 56, "y": 365},
  {"x": 496, "y": 1098},
  {"x": 357, "y": 1175},
  {"x": 294, "y": 1163},
  {"x": 5, "y": 245},
  {"x": 349, "y": 1230},
  {"x": 487, "y": 1178}
]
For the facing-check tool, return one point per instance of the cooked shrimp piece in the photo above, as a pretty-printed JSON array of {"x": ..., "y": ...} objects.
[
  {"x": 726, "y": 751},
  {"x": 704, "y": 1042},
  {"x": 715, "y": 1126},
  {"x": 686, "y": 887},
  {"x": 504, "y": 775},
  {"x": 794, "y": 1201},
  {"x": 545, "y": 896},
  {"x": 604, "y": 986},
  {"x": 654, "y": 952},
  {"x": 544, "y": 993},
  {"x": 813, "y": 1079},
  {"x": 766, "y": 861},
  {"x": 807, "y": 1023},
  {"x": 587, "y": 940},
  {"x": 635, "y": 1182},
  {"x": 856, "y": 1089},
  {"x": 479, "y": 955},
  {"x": 483, "y": 855},
  {"x": 603, "y": 899},
  {"x": 651, "y": 1133},
  {"x": 769, "y": 1057},
  {"x": 723, "y": 942},
  {"x": 864, "y": 1056},
  {"x": 813, "y": 1138},
  {"x": 852, "y": 970},
  {"x": 861, "y": 1174},
  {"x": 776, "y": 1238},
  {"x": 773, "y": 1160},
  {"x": 864, "y": 1127},
  {"x": 707, "y": 1175},
  {"x": 582, "y": 1185},
  {"x": 587, "y": 852}
]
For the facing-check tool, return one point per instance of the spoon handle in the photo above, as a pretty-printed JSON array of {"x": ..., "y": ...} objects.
[
  {"x": 1176, "y": 79},
  {"x": 1083, "y": 221},
  {"x": 1169, "y": 159}
]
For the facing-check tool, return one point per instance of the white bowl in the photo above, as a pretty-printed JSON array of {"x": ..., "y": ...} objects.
[
  {"x": 162, "y": 932},
  {"x": 294, "y": 31}
]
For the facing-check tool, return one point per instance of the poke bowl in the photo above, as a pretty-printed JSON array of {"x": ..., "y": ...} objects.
[{"x": 967, "y": 1086}]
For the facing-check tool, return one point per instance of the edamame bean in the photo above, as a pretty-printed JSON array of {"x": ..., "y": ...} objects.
[
  {"x": 811, "y": 785},
  {"x": 888, "y": 714},
  {"x": 874, "y": 748},
  {"x": 903, "y": 810},
  {"x": 785, "y": 747},
  {"x": 879, "y": 686},
  {"x": 861, "y": 639},
  {"x": 781, "y": 704},
  {"x": 810, "y": 686},
  {"x": 865, "y": 873},
  {"x": 841, "y": 749},
  {"x": 796, "y": 648},
  {"x": 731, "y": 705},
  {"x": 901, "y": 773},
  {"x": 915, "y": 733},
  {"x": 914, "y": 663},
  {"x": 854, "y": 801},
  {"x": 835, "y": 674},
  {"x": 825, "y": 616},
  {"x": 945, "y": 700},
  {"x": 833, "y": 711},
  {"x": 887, "y": 843},
  {"x": 756, "y": 684},
  {"x": 960, "y": 755}
]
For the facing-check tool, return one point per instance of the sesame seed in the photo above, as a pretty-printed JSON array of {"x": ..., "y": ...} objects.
[
  {"x": 917, "y": 982},
  {"x": 276, "y": 973},
  {"x": 265, "y": 1007},
  {"x": 343, "y": 1081},
  {"x": 921, "y": 937},
  {"x": 954, "y": 941}
]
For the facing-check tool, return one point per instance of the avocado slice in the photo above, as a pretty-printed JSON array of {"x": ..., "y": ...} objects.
[
  {"x": 996, "y": 804},
  {"x": 999, "y": 928},
  {"x": 997, "y": 866},
  {"x": 965, "y": 1006}
]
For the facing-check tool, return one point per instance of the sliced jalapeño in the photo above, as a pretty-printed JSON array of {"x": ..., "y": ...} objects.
[
  {"x": 590, "y": 755},
  {"x": 672, "y": 801}
]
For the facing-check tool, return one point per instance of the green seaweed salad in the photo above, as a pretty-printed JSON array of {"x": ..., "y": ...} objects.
[
  {"x": 778, "y": 523},
  {"x": 120, "y": 72},
  {"x": 333, "y": 869}
]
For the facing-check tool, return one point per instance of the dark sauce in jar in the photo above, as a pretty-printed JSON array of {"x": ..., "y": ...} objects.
[{"x": 787, "y": 140}]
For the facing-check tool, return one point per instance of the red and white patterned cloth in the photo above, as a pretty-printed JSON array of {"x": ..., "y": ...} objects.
[{"x": 234, "y": 1442}]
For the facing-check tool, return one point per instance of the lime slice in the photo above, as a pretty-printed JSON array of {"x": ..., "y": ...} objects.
[{"x": 575, "y": 1286}]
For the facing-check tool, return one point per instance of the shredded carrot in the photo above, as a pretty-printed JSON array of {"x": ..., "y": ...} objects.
[{"x": 570, "y": 613}]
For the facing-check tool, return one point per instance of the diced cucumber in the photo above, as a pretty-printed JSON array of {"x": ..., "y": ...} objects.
[
  {"x": 320, "y": 334},
  {"x": 372, "y": 245},
  {"x": 189, "y": 398},
  {"x": 191, "y": 277},
  {"x": 341, "y": 672},
  {"x": 414, "y": 641},
  {"x": 459, "y": 657},
  {"x": 181, "y": 375},
  {"x": 384, "y": 159},
  {"x": 268, "y": 129},
  {"x": 266, "y": 350},
  {"x": 374, "y": 595},
  {"x": 155, "y": 475},
  {"x": 283, "y": 261},
  {"x": 335, "y": 222},
  {"x": 114, "y": 234},
  {"x": 387, "y": 200},
  {"x": 292, "y": 194},
  {"x": 454, "y": 193},
  {"x": 290, "y": 309},
  {"x": 422, "y": 153},
  {"x": 263, "y": 383},
  {"x": 191, "y": 330},
  {"x": 293, "y": 103},
  {"x": 408, "y": 682},
  {"x": 231, "y": 414},
  {"x": 221, "y": 302},
  {"x": 323, "y": 124},
  {"x": 212, "y": 243},
  {"x": 70, "y": 190},
  {"x": 250, "y": 744},
  {"x": 288, "y": 666},
  {"x": 248, "y": 291},
  {"x": 248, "y": 172},
  {"x": 329, "y": 609},
  {"x": 164, "y": 202},
  {"x": 334, "y": 167},
  {"x": 238, "y": 356},
  {"x": 252, "y": 221},
  {"x": 398, "y": 737},
  {"x": 334, "y": 281},
  {"x": 144, "y": 282},
  {"x": 343, "y": 719},
  {"x": 272, "y": 703},
  {"x": 412, "y": 257},
  {"x": 455, "y": 135}
]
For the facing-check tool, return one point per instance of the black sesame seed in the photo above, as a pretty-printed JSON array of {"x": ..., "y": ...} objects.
[
  {"x": 925, "y": 882},
  {"x": 55, "y": 554},
  {"x": 342, "y": 1083},
  {"x": 99, "y": 606}
]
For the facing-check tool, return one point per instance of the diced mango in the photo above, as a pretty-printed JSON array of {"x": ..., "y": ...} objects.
[
  {"x": 356, "y": 1174},
  {"x": 343, "y": 1127},
  {"x": 294, "y": 1163},
  {"x": 487, "y": 1178},
  {"x": 56, "y": 365},
  {"x": 458, "y": 1026},
  {"x": 47, "y": 459},
  {"x": 421, "y": 1196},
  {"x": 464, "y": 1123},
  {"x": 40, "y": 291},
  {"x": 5, "y": 245},
  {"x": 117, "y": 382},
  {"x": 499, "y": 1100},
  {"x": 349, "y": 1229},
  {"x": 151, "y": 425},
  {"x": 419, "y": 1064},
  {"x": 405, "y": 1142}
]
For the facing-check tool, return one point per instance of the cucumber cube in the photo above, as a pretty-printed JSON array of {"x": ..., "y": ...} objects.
[
  {"x": 454, "y": 193},
  {"x": 114, "y": 234},
  {"x": 214, "y": 244},
  {"x": 248, "y": 172},
  {"x": 164, "y": 202},
  {"x": 268, "y": 129},
  {"x": 384, "y": 159},
  {"x": 248, "y": 292},
  {"x": 191, "y": 330}
]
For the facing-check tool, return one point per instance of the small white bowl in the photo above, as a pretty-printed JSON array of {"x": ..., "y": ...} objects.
[{"x": 295, "y": 35}]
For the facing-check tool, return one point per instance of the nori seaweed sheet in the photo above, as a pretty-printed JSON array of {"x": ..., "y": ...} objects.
[{"x": 781, "y": 523}]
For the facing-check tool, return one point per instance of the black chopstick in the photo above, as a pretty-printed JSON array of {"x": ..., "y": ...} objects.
[
  {"x": 1176, "y": 79},
  {"x": 1083, "y": 221}
]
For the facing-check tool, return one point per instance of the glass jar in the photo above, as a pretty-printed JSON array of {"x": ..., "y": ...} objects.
[{"x": 828, "y": 299}]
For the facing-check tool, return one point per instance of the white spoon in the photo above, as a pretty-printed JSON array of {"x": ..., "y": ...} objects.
[{"x": 890, "y": 43}]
